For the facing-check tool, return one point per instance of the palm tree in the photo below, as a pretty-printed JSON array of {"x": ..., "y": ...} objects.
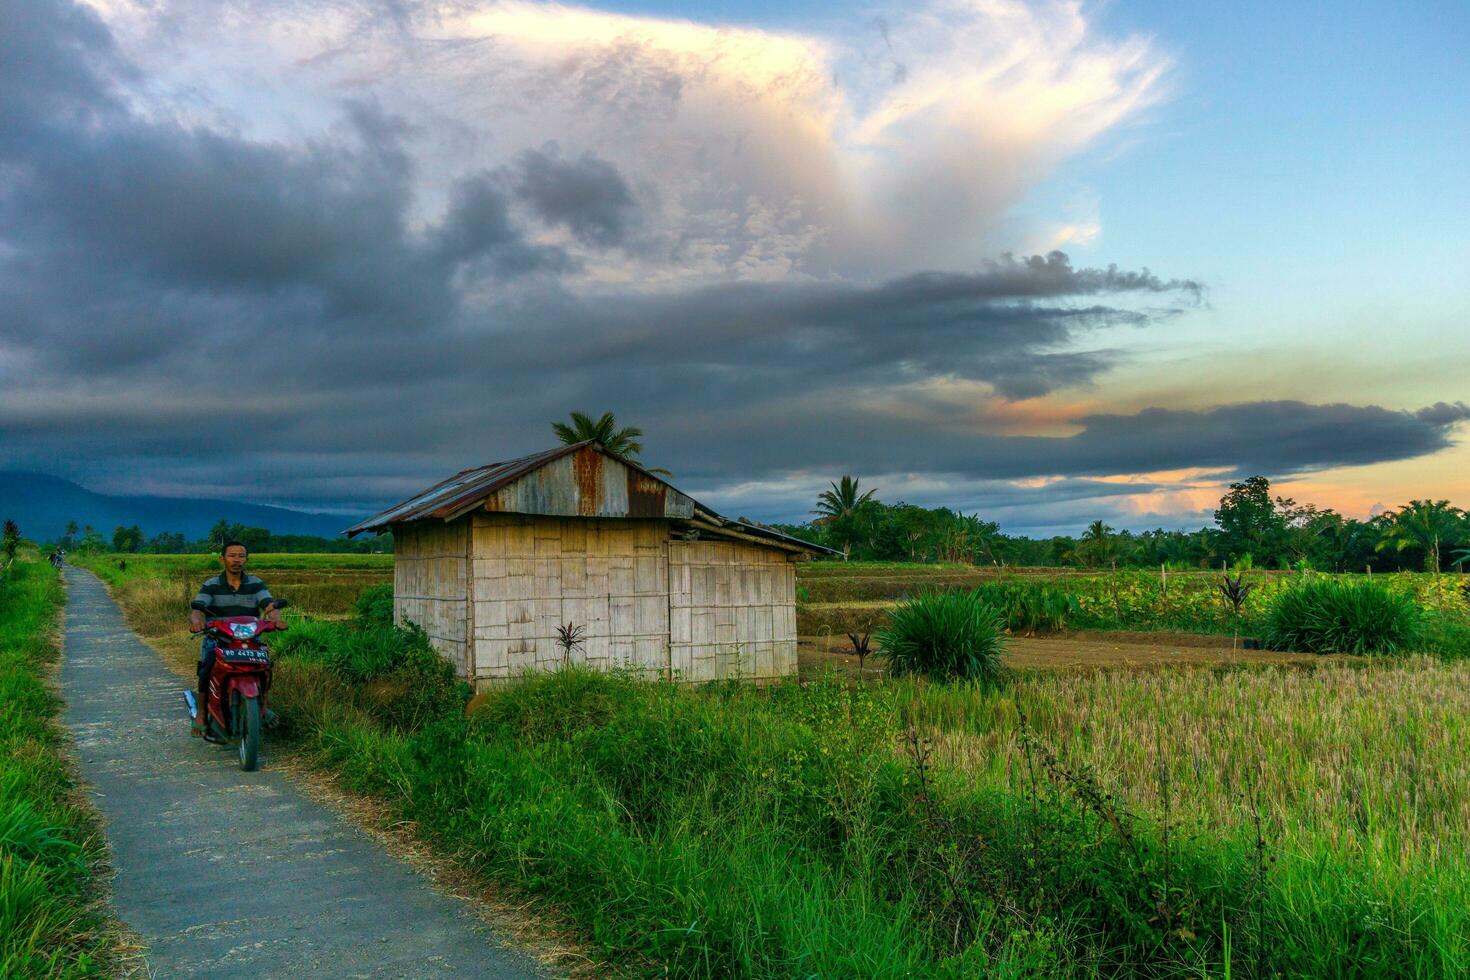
[
  {"x": 620, "y": 442},
  {"x": 1096, "y": 544},
  {"x": 842, "y": 499},
  {"x": 1426, "y": 524},
  {"x": 1460, "y": 558}
]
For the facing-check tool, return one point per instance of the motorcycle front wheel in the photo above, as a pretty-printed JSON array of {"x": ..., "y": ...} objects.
[{"x": 249, "y": 733}]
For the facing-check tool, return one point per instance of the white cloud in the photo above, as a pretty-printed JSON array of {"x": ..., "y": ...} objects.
[{"x": 755, "y": 154}]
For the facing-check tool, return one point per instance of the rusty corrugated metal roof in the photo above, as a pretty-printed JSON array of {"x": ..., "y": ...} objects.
[
  {"x": 481, "y": 485},
  {"x": 448, "y": 497}
]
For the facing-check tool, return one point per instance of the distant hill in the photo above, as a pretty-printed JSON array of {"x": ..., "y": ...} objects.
[{"x": 42, "y": 505}]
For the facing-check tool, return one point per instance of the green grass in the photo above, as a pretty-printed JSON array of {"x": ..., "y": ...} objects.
[
  {"x": 789, "y": 831},
  {"x": 1171, "y": 823},
  {"x": 50, "y": 922},
  {"x": 319, "y": 585}
]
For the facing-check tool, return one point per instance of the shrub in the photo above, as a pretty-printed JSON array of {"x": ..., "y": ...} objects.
[
  {"x": 394, "y": 672},
  {"x": 1327, "y": 616},
  {"x": 374, "y": 606},
  {"x": 944, "y": 635}
]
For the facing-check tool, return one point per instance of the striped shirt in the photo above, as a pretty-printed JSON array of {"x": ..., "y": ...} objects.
[{"x": 217, "y": 600}]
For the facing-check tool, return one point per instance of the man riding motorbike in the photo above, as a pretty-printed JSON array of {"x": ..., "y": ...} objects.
[{"x": 231, "y": 593}]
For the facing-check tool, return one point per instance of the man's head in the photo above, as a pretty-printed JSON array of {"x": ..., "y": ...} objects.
[{"x": 233, "y": 556}]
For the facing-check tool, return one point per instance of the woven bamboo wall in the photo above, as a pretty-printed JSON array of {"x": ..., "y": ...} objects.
[
  {"x": 732, "y": 611},
  {"x": 429, "y": 584},
  {"x": 532, "y": 574}
]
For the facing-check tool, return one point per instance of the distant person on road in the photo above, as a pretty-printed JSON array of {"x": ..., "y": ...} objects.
[{"x": 230, "y": 593}]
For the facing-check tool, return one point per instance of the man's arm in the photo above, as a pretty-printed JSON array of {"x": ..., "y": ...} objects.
[
  {"x": 197, "y": 610},
  {"x": 266, "y": 603}
]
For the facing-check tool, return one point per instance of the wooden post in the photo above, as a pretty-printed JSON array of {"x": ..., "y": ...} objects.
[{"x": 1163, "y": 578}]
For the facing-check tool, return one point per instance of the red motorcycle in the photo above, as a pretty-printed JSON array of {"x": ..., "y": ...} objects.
[{"x": 239, "y": 681}]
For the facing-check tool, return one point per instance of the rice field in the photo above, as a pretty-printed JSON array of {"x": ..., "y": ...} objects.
[{"x": 1351, "y": 780}]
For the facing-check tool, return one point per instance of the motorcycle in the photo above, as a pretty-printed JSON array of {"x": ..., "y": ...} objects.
[{"x": 235, "y": 706}]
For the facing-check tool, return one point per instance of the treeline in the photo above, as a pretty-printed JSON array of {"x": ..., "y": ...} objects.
[
  {"x": 1253, "y": 528},
  {"x": 132, "y": 540}
]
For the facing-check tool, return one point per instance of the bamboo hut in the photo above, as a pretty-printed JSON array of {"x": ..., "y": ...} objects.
[{"x": 577, "y": 555}]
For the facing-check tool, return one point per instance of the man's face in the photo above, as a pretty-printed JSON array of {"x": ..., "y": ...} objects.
[{"x": 234, "y": 559}]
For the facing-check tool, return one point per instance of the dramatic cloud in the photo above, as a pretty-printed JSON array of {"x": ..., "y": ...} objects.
[
  {"x": 588, "y": 196},
  {"x": 748, "y": 152},
  {"x": 315, "y": 255}
]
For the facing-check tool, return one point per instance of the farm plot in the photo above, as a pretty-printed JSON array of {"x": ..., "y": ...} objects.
[
  {"x": 834, "y": 600},
  {"x": 1068, "y": 822}
]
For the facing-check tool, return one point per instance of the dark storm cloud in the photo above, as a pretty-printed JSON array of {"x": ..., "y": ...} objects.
[
  {"x": 588, "y": 195},
  {"x": 155, "y": 278},
  {"x": 126, "y": 230},
  {"x": 1444, "y": 413},
  {"x": 1274, "y": 438}
]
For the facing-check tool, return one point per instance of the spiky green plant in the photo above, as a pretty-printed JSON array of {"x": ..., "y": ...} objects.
[
  {"x": 1327, "y": 616},
  {"x": 945, "y": 636}
]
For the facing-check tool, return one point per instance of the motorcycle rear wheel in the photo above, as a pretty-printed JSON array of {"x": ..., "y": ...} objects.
[{"x": 249, "y": 733}]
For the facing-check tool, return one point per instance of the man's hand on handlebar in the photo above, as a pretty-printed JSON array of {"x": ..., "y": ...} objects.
[{"x": 196, "y": 621}]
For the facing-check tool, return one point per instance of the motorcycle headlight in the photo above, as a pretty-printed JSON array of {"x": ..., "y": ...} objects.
[{"x": 243, "y": 631}]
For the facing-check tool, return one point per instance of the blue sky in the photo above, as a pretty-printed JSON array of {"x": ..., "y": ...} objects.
[{"x": 790, "y": 241}]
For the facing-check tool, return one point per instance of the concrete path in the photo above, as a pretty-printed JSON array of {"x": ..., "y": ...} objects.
[{"x": 232, "y": 874}]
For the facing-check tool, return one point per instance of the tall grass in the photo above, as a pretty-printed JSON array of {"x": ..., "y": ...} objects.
[
  {"x": 50, "y": 922},
  {"x": 1328, "y": 616},
  {"x": 1107, "y": 824},
  {"x": 1176, "y": 823},
  {"x": 944, "y": 635}
]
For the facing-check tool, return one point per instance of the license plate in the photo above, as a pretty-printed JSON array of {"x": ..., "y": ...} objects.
[{"x": 245, "y": 656}]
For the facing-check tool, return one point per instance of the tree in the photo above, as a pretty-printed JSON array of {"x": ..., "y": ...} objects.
[
  {"x": 127, "y": 539},
  {"x": 1098, "y": 544},
  {"x": 69, "y": 539},
  {"x": 842, "y": 500},
  {"x": 620, "y": 442},
  {"x": 254, "y": 539},
  {"x": 1428, "y": 524},
  {"x": 11, "y": 541},
  {"x": 167, "y": 543},
  {"x": 1250, "y": 521},
  {"x": 91, "y": 541}
]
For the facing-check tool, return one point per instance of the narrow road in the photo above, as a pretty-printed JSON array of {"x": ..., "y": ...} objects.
[{"x": 225, "y": 873}]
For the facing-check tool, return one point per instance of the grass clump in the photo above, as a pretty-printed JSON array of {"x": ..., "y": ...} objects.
[
  {"x": 374, "y": 606},
  {"x": 945, "y": 636},
  {"x": 391, "y": 672},
  {"x": 50, "y": 923},
  {"x": 1336, "y": 616}
]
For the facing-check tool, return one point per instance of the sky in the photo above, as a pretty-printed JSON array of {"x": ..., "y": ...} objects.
[{"x": 1047, "y": 262}]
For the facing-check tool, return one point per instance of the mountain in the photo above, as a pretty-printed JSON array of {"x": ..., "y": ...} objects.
[{"x": 42, "y": 505}]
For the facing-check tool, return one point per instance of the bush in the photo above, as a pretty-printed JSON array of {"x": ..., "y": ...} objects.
[
  {"x": 374, "y": 606},
  {"x": 394, "y": 672},
  {"x": 1328, "y": 616},
  {"x": 944, "y": 635}
]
